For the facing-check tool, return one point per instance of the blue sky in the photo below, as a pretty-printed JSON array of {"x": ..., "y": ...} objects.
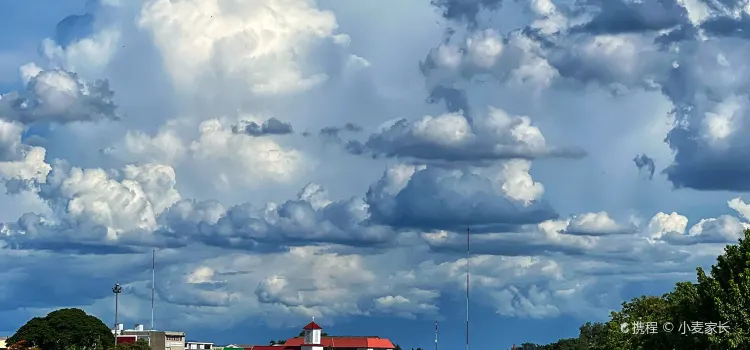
[{"x": 296, "y": 159}]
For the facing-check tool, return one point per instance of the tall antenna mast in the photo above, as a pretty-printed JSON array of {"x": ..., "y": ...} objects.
[
  {"x": 468, "y": 257},
  {"x": 153, "y": 283}
]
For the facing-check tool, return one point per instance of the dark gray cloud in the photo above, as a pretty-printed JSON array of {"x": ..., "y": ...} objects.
[
  {"x": 630, "y": 62},
  {"x": 73, "y": 28},
  {"x": 645, "y": 163},
  {"x": 705, "y": 78},
  {"x": 272, "y": 126},
  {"x": 708, "y": 89},
  {"x": 333, "y": 133},
  {"x": 729, "y": 27},
  {"x": 536, "y": 240},
  {"x": 453, "y": 139},
  {"x": 434, "y": 198},
  {"x": 455, "y": 100},
  {"x": 465, "y": 10},
  {"x": 33, "y": 232},
  {"x": 309, "y": 219},
  {"x": 94, "y": 275},
  {"x": 521, "y": 243},
  {"x": 59, "y": 96},
  {"x": 623, "y": 16}
]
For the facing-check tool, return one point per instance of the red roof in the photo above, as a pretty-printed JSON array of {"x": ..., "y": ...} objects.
[
  {"x": 125, "y": 339},
  {"x": 343, "y": 342},
  {"x": 312, "y": 325}
]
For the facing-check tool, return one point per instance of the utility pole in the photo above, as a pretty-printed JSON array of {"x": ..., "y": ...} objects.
[
  {"x": 153, "y": 284},
  {"x": 436, "y": 335},
  {"x": 468, "y": 271}
]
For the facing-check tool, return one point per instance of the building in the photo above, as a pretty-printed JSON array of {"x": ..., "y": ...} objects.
[
  {"x": 198, "y": 345},
  {"x": 158, "y": 340},
  {"x": 313, "y": 340},
  {"x": 2, "y": 342},
  {"x": 240, "y": 346}
]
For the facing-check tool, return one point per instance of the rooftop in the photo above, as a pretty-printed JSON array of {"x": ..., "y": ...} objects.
[
  {"x": 345, "y": 342},
  {"x": 241, "y": 346},
  {"x": 311, "y": 326}
]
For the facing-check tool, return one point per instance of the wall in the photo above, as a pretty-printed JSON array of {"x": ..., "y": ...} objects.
[
  {"x": 174, "y": 344},
  {"x": 157, "y": 341}
]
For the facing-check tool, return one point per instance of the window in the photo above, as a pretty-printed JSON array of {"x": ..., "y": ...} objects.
[{"x": 207, "y": 346}]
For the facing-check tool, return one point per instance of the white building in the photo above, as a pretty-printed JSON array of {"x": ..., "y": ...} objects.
[{"x": 198, "y": 345}]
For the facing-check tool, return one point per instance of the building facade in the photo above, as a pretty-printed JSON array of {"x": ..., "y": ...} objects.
[
  {"x": 313, "y": 339},
  {"x": 198, "y": 345},
  {"x": 2, "y": 342},
  {"x": 158, "y": 340}
]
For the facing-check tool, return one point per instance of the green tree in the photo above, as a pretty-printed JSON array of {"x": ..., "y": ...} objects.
[
  {"x": 686, "y": 307},
  {"x": 593, "y": 336},
  {"x": 64, "y": 329},
  {"x": 725, "y": 296},
  {"x": 398, "y": 347},
  {"x": 721, "y": 297},
  {"x": 35, "y": 333},
  {"x": 642, "y": 318}
]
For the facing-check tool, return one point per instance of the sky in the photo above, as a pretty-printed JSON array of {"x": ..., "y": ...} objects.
[{"x": 291, "y": 159}]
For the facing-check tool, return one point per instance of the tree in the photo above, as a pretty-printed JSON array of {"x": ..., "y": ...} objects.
[
  {"x": 140, "y": 344},
  {"x": 21, "y": 345},
  {"x": 724, "y": 296},
  {"x": 64, "y": 329},
  {"x": 721, "y": 297},
  {"x": 398, "y": 347},
  {"x": 593, "y": 336},
  {"x": 35, "y": 333}
]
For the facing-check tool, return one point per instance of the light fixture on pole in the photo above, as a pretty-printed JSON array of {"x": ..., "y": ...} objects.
[{"x": 117, "y": 289}]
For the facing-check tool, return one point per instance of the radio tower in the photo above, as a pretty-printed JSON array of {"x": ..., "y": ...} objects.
[{"x": 468, "y": 257}]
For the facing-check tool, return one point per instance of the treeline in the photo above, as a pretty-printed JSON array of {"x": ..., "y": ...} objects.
[
  {"x": 713, "y": 314},
  {"x": 68, "y": 329}
]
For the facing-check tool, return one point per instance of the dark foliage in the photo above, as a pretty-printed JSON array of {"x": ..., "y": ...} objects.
[
  {"x": 719, "y": 298},
  {"x": 63, "y": 329}
]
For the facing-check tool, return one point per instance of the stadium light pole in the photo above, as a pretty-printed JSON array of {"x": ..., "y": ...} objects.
[{"x": 117, "y": 289}]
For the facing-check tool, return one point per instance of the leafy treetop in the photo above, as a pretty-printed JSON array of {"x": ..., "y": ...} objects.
[
  {"x": 723, "y": 296},
  {"x": 63, "y": 329}
]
